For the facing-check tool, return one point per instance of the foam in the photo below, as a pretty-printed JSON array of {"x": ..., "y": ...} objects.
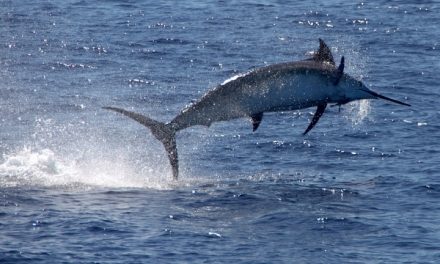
[{"x": 44, "y": 167}]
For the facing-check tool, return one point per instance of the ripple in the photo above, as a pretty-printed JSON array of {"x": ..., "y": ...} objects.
[{"x": 172, "y": 41}]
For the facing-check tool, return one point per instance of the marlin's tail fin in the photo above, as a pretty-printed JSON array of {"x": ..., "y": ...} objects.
[{"x": 163, "y": 132}]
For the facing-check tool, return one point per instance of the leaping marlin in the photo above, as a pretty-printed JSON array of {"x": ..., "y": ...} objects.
[{"x": 279, "y": 87}]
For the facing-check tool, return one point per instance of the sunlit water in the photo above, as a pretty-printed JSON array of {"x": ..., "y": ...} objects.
[{"x": 79, "y": 184}]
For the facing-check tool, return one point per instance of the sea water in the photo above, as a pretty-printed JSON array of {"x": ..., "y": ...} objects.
[{"x": 79, "y": 184}]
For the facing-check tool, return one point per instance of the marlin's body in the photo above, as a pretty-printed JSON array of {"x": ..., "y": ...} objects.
[{"x": 279, "y": 87}]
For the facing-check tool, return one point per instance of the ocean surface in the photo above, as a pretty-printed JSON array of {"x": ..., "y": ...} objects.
[{"x": 79, "y": 184}]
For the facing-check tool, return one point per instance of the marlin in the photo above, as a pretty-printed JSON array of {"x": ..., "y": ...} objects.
[{"x": 286, "y": 86}]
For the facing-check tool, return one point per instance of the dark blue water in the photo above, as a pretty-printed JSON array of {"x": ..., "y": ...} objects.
[{"x": 79, "y": 184}]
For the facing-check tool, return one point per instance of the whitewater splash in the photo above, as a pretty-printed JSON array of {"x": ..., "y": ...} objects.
[
  {"x": 29, "y": 167},
  {"x": 357, "y": 64},
  {"x": 358, "y": 111}
]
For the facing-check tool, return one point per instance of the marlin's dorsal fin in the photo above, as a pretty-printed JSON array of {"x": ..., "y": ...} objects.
[{"x": 323, "y": 54}]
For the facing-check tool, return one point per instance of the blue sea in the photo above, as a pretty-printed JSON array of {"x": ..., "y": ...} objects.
[{"x": 80, "y": 184}]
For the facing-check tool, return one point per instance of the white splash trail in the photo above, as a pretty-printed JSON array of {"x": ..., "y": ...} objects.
[{"x": 28, "y": 167}]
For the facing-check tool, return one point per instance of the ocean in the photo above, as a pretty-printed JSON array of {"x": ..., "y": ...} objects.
[{"x": 80, "y": 184}]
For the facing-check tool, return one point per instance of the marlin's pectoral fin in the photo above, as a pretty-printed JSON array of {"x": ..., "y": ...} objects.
[
  {"x": 256, "y": 120},
  {"x": 319, "y": 111},
  {"x": 339, "y": 72}
]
